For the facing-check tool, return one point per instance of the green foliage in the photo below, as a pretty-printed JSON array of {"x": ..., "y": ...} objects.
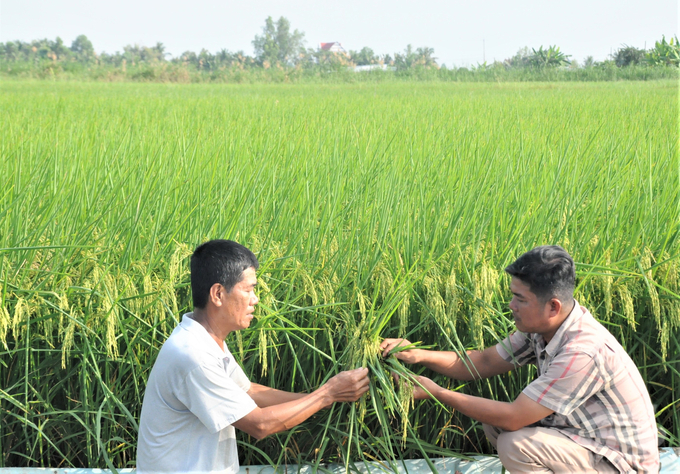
[
  {"x": 419, "y": 58},
  {"x": 628, "y": 56},
  {"x": 277, "y": 44},
  {"x": 664, "y": 53},
  {"x": 551, "y": 57},
  {"x": 82, "y": 49},
  {"x": 546, "y": 58},
  {"x": 519, "y": 60},
  {"x": 374, "y": 211},
  {"x": 364, "y": 57},
  {"x": 281, "y": 57}
]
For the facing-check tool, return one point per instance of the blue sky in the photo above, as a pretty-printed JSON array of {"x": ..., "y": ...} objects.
[{"x": 461, "y": 32}]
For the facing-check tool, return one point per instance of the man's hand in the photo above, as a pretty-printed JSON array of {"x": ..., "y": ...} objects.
[
  {"x": 410, "y": 356},
  {"x": 420, "y": 394},
  {"x": 347, "y": 386}
]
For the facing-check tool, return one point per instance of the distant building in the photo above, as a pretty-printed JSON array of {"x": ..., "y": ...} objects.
[
  {"x": 374, "y": 67},
  {"x": 333, "y": 47}
]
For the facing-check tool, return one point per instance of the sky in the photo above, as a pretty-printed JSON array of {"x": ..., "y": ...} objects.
[{"x": 462, "y": 33}]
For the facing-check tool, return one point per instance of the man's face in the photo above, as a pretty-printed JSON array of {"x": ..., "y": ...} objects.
[
  {"x": 531, "y": 315},
  {"x": 238, "y": 305}
]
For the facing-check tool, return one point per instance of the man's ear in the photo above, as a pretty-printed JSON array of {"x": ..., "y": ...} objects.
[
  {"x": 216, "y": 293},
  {"x": 554, "y": 307}
]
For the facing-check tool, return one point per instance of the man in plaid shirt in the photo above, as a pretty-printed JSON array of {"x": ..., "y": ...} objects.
[{"x": 587, "y": 411}]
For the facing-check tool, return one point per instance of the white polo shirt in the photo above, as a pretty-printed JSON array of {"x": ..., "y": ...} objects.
[{"x": 194, "y": 394}]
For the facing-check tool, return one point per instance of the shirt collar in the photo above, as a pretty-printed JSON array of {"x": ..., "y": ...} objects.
[
  {"x": 556, "y": 341},
  {"x": 196, "y": 329}
]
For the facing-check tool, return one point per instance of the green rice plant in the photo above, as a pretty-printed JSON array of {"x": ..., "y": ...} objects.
[{"x": 376, "y": 210}]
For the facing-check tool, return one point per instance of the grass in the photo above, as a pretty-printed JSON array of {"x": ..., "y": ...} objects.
[{"x": 376, "y": 210}]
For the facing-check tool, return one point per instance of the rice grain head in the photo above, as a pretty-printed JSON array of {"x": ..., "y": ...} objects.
[
  {"x": 433, "y": 298},
  {"x": 126, "y": 287},
  {"x": 403, "y": 314},
  {"x": 176, "y": 268},
  {"x": 406, "y": 389},
  {"x": 670, "y": 306},
  {"x": 565, "y": 216},
  {"x": 452, "y": 297},
  {"x": 263, "y": 351},
  {"x": 383, "y": 277},
  {"x": 109, "y": 311},
  {"x": 672, "y": 282},
  {"x": 485, "y": 281},
  {"x": 361, "y": 302},
  {"x": 607, "y": 289},
  {"x": 307, "y": 283},
  {"x": 626, "y": 304},
  {"x": 20, "y": 316},
  {"x": 239, "y": 344},
  {"x": 67, "y": 343},
  {"x": 168, "y": 294},
  {"x": 647, "y": 261},
  {"x": 327, "y": 291},
  {"x": 147, "y": 288},
  {"x": 64, "y": 306},
  {"x": 5, "y": 323}
]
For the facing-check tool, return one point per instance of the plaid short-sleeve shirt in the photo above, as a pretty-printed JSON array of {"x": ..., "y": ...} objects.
[{"x": 596, "y": 391}]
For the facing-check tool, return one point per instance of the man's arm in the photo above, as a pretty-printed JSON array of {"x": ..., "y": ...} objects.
[
  {"x": 265, "y": 396},
  {"x": 345, "y": 387},
  {"x": 479, "y": 364},
  {"x": 508, "y": 416}
]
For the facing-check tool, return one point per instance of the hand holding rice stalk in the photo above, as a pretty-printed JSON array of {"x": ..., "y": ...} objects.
[{"x": 411, "y": 385}]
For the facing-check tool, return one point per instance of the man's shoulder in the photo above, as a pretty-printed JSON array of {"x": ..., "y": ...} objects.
[
  {"x": 585, "y": 334},
  {"x": 180, "y": 352}
]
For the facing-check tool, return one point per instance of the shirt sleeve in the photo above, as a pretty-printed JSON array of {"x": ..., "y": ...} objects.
[
  {"x": 240, "y": 377},
  {"x": 517, "y": 349},
  {"x": 571, "y": 378},
  {"x": 215, "y": 398}
]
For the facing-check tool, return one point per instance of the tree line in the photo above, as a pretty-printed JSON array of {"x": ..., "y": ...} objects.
[{"x": 281, "y": 51}]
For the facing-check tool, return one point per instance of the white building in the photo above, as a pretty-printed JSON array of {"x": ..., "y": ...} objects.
[{"x": 373, "y": 67}]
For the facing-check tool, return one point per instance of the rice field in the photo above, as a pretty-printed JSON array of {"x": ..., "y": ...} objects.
[{"x": 376, "y": 210}]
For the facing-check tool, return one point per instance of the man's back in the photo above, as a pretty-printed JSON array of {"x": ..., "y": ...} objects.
[
  {"x": 194, "y": 394},
  {"x": 596, "y": 391}
]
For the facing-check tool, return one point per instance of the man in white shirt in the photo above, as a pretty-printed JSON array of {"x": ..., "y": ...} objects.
[{"x": 197, "y": 393}]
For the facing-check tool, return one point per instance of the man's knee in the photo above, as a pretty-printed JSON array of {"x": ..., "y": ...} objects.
[
  {"x": 491, "y": 433},
  {"x": 508, "y": 447},
  {"x": 538, "y": 449}
]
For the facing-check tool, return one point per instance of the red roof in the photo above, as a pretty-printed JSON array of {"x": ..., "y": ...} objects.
[{"x": 327, "y": 46}]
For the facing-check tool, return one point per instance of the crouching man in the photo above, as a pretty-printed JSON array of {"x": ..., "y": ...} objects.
[
  {"x": 197, "y": 393},
  {"x": 587, "y": 411}
]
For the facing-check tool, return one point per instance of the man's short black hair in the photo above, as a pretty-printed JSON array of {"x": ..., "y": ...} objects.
[
  {"x": 218, "y": 261},
  {"x": 548, "y": 271}
]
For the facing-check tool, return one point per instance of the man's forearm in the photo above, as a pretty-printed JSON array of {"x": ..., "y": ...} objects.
[
  {"x": 509, "y": 416},
  {"x": 447, "y": 363},
  {"x": 347, "y": 386},
  {"x": 282, "y": 416},
  {"x": 475, "y": 364},
  {"x": 500, "y": 414},
  {"x": 267, "y": 396}
]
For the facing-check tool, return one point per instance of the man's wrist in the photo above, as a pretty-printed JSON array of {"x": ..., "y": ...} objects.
[
  {"x": 324, "y": 393},
  {"x": 419, "y": 355}
]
